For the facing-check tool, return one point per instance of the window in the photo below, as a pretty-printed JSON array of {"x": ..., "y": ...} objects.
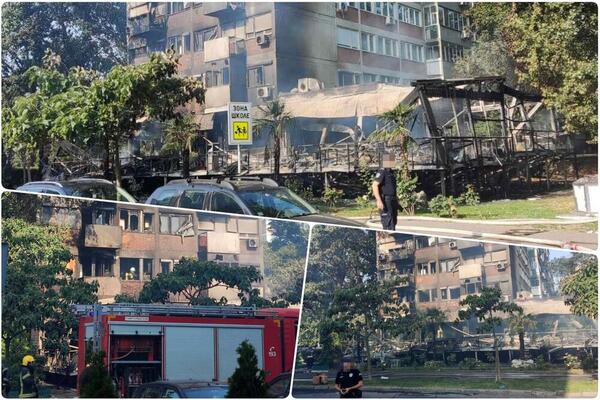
[
  {"x": 409, "y": 15},
  {"x": 225, "y": 75},
  {"x": 451, "y": 52},
  {"x": 193, "y": 199},
  {"x": 104, "y": 266},
  {"x": 204, "y": 36},
  {"x": 367, "y": 42},
  {"x": 187, "y": 43},
  {"x": 148, "y": 218},
  {"x": 455, "y": 293},
  {"x": 444, "y": 293},
  {"x": 129, "y": 220},
  {"x": 147, "y": 272},
  {"x": 165, "y": 266},
  {"x": 449, "y": 264},
  {"x": 175, "y": 7},
  {"x": 348, "y": 78},
  {"x": 259, "y": 25},
  {"x": 176, "y": 43},
  {"x": 472, "y": 287},
  {"x": 225, "y": 203},
  {"x": 165, "y": 198},
  {"x": 176, "y": 224},
  {"x": 103, "y": 217},
  {"x": 367, "y": 78},
  {"x": 412, "y": 52},
  {"x": 129, "y": 269},
  {"x": 433, "y": 294},
  {"x": 256, "y": 76},
  {"x": 432, "y": 52},
  {"x": 432, "y": 267},
  {"x": 423, "y": 296},
  {"x": 347, "y": 38}
]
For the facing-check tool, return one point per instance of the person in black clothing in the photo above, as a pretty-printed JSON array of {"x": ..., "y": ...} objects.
[
  {"x": 348, "y": 382},
  {"x": 5, "y": 381},
  {"x": 384, "y": 190},
  {"x": 27, "y": 379}
]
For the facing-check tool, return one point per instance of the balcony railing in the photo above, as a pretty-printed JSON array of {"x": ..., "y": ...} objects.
[{"x": 105, "y": 236}]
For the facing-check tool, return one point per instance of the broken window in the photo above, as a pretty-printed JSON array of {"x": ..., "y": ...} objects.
[{"x": 204, "y": 36}]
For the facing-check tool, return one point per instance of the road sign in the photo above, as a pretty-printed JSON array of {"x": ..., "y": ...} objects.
[{"x": 239, "y": 123}]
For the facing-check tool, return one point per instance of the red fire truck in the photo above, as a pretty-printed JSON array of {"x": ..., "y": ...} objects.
[{"x": 148, "y": 342}]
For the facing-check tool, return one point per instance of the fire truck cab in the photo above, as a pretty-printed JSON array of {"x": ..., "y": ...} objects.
[{"x": 145, "y": 343}]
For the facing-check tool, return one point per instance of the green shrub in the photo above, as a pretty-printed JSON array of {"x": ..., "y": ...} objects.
[
  {"x": 541, "y": 363},
  {"x": 589, "y": 363},
  {"x": 469, "y": 363},
  {"x": 433, "y": 364},
  {"x": 571, "y": 361},
  {"x": 451, "y": 359},
  {"x": 443, "y": 206},
  {"x": 408, "y": 198},
  {"x": 490, "y": 358},
  {"x": 332, "y": 196},
  {"x": 365, "y": 175},
  {"x": 470, "y": 197},
  {"x": 363, "y": 201}
]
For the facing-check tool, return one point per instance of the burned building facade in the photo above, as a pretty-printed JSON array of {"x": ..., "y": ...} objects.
[
  {"x": 122, "y": 246},
  {"x": 256, "y": 51},
  {"x": 440, "y": 272}
]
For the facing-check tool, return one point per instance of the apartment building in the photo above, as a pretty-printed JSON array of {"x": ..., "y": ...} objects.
[
  {"x": 254, "y": 51},
  {"x": 440, "y": 272},
  {"x": 122, "y": 246}
]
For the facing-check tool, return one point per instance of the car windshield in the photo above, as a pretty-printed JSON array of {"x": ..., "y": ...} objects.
[
  {"x": 276, "y": 203},
  {"x": 207, "y": 392}
]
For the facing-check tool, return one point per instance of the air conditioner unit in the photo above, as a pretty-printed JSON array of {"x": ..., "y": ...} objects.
[
  {"x": 452, "y": 245},
  {"x": 263, "y": 40},
  {"x": 389, "y": 20},
  {"x": 501, "y": 266},
  {"x": 252, "y": 244},
  {"x": 309, "y": 84},
  {"x": 263, "y": 92}
]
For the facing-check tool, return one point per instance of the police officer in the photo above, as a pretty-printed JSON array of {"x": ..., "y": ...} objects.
[
  {"x": 384, "y": 190},
  {"x": 27, "y": 379},
  {"x": 348, "y": 381}
]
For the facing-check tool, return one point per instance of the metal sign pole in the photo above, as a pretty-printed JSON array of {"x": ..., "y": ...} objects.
[{"x": 239, "y": 159}]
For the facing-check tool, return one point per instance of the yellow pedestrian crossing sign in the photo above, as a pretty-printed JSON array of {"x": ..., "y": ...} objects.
[{"x": 239, "y": 123}]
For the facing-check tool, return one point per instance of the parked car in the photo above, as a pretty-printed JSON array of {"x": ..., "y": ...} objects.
[
  {"x": 242, "y": 195},
  {"x": 180, "y": 389},
  {"x": 92, "y": 188},
  {"x": 280, "y": 386}
]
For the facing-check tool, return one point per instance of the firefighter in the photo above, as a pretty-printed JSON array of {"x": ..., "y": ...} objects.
[
  {"x": 27, "y": 379},
  {"x": 348, "y": 381},
  {"x": 384, "y": 190}
]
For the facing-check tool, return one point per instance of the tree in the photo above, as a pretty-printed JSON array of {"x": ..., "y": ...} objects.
[
  {"x": 247, "y": 381},
  {"x": 40, "y": 289},
  {"x": 486, "y": 57},
  {"x": 581, "y": 287},
  {"x": 366, "y": 309},
  {"x": 554, "y": 47},
  {"x": 88, "y": 35},
  {"x": 519, "y": 323},
  {"x": 192, "y": 279},
  {"x": 180, "y": 133},
  {"x": 395, "y": 132},
  {"x": 486, "y": 307},
  {"x": 95, "y": 381},
  {"x": 274, "y": 121},
  {"x": 120, "y": 100}
]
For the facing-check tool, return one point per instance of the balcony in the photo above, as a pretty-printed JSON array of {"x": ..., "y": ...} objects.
[
  {"x": 139, "y": 26},
  {"x": 104, "y": 236},
  {"x": 468, "y": 271},
  {"x": 217, "y": 98},
  {"x": 223, "y": 48}
]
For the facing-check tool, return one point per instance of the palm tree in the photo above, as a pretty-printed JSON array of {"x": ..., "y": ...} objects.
[
  {"x": 395, "y": 131},
  {"x": 179, "y": 135},
  {"x": 519, "y": 323},
  {"x": 274, "y": 120}
]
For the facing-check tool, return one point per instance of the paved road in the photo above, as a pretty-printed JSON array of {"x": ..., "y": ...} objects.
[
  {"x": 519, "y": 233},
  {"x": 395, "y": 394}
]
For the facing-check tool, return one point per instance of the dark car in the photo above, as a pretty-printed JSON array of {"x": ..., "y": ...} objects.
[
  {"x": 180, "y": 390},
  {"x": 92, "y": 188},
  {"x": 280, "y": 386},
  {"x": 244, "y": 195}
]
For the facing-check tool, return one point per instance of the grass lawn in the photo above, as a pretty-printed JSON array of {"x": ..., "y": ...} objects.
[
  {"x": 548, "y": 206},
  {"x": 551, "y": 384}
]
